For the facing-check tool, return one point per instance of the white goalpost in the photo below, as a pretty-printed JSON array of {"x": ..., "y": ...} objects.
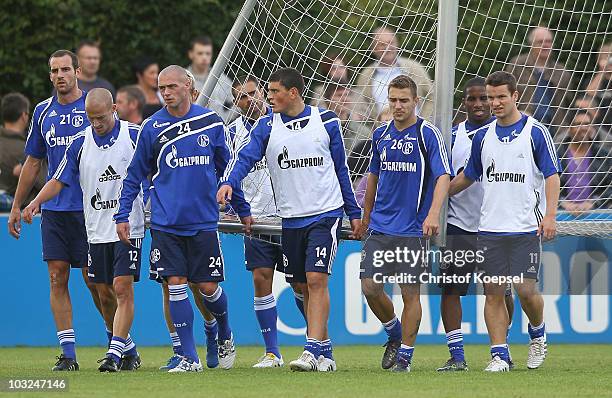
[{"x": 441, "y": 44}]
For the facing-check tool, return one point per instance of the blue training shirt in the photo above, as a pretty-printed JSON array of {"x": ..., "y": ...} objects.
[
  {"x": 254, "y": 149},
  {"x": 407, "y": 163},
  {"x": 52, "y": 129},
  {"x": 185, "y": 156}
]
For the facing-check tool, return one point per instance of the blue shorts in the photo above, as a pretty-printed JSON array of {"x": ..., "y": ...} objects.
[
  {"x": 376, "y": 263},
  {"x": 64, "y": 237},
  {"x": 109, "y": 260},
  {"x": 197, "y": 257},
  {"x": 153, "y": 275},
  {"x": 459, "y": 242},
  {"x": 310, "y": 249},
  {"x": 511, "y": 255},
  {"x": 263, "y": 253}
]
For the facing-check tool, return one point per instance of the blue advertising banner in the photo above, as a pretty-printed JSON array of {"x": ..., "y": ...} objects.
[{"x": 578, "y": 318}]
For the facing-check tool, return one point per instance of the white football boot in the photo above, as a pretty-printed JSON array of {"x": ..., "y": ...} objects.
[
  {"x": 305, "y": 363},
  {"x": 269, "y": 360},
  {"x": 326, "y": 364},
  {"x": 497, "y": 365},
  {"x": 537, "y": 352}
]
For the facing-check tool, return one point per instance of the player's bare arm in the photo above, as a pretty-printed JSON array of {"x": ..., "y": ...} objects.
[
  {"x": 224, "y": 194},
  {"x": 29, "y": 171},
  {"x": 458, "y": 184},
  {"x": 431, "y": 225},
  {"x": 548, "y": 226},
  {"x": 51, "y": 189},
  {"x": 368, "y": 204}
]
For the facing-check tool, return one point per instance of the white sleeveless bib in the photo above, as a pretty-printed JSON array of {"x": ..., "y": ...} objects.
[
  {"x": 514, "y": 199},
  {"x": 101, "y": 172},
  {"x": 256, "y": 186},
  {"x": 302, "y": 169},
  {"x": 464, "y": 208}
]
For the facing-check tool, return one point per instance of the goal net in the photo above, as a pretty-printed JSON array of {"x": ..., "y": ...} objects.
[{"x": 347, "y": 51}]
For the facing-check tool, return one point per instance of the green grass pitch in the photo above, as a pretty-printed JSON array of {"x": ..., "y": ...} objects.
[{"x": 569, "y": 371}]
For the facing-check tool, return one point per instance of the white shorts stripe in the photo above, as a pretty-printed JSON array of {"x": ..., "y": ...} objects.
[{"x": 334, "y": 247}]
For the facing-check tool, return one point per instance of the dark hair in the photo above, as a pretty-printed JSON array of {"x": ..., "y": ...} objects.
[
  {"x": 501, "y": 78},
  {"x": 581, "y": 112},
  {"x": 328, "y": 60},
  {"x": 242, "y": 80},
  {"x": 333, "y": 87},
  {"x": 202, "y": 40},
  {"x": 473, "y": 82},
  {"x": 134, "y": 93},
  {"x": 288, "y": 78},
  {"x": 403, "y": 81},
  {"x": 13, "y": 106},
  {"x": 63, "y": 53},
  {"x": 572, "y": 114},
  {"x": 87, "y": 43},
  {"x": 141, "y": 64},
  {"x": 583, "y": 95}
]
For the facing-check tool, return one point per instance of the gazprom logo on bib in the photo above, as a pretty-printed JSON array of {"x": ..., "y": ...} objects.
[
  {"x": 284, "y": 162},
  {"x": 98, "y": 204},
  {"x": 52, "y": 140},
  {"x": 492, "y": 176},
  {"x": 173, "y": 160}
]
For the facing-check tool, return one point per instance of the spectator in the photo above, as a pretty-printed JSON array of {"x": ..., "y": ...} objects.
[
  {"x": 601, "y": 88},
  {"x": 332, "y": 69},
  {"x": 586, "y": 182},
  {"x": 375, "y": 77},
  {"x": 130, "y": 104},
  {"x": 585, "y": 101},
  {"x": 359, "y": 158},
  {"x": 146, "y": 70},
  {"x": 358, "y": 162},
  {"x": 15, "y": 115},
  {"x": 341, "y": 100},
  {"x": 582, "y": 102},
  {"x": 603, "y": 66},
  {"x": 543, "y": 83},
  {"x": 89, "y": 60},
  {"x": 201, "y": 55},
  {"x": 384, "y": 116}
]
